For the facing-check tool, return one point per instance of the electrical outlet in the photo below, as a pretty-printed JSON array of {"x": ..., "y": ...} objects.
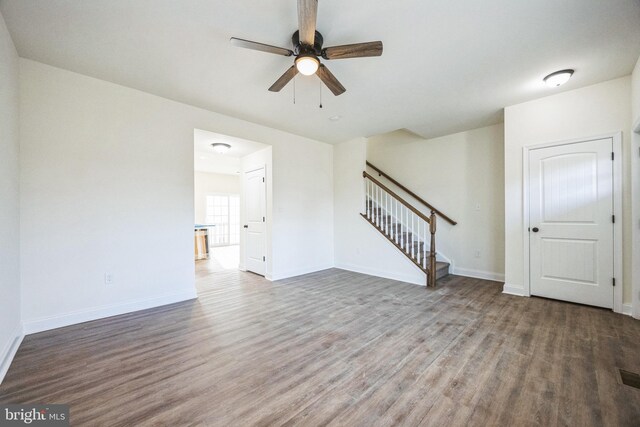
[
  {"x": 477, "y": 254},
  {"x": 108, "y": 278}
]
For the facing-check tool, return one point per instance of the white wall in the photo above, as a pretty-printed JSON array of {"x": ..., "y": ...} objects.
[
  {"x": 205, "y": 184},
  {"x": 586, "y": 112},
  {"x": 358, "y": 246},
  {"x": 302, "y": 235},
  {"x": 107, "y": 186},
  {"x": 10, "y": 327},
  {"x": 635, "y": 190},
  {"x": 463, "y": 176}
]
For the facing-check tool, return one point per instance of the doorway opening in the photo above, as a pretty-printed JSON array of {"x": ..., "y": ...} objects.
[{"x": 222, "y": 236}]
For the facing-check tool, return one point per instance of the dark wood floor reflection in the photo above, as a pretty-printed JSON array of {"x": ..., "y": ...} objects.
[{"x": 339, "y": 348}]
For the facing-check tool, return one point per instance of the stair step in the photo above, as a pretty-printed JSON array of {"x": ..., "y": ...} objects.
[{"x": 442, "y": 268}]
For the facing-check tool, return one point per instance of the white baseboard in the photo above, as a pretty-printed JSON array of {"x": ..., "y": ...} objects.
[
  {"x": 296, "y": 272},
  {"x": 627, "y": 309},
  {"x": 514, "y": 290},
  {"x": 52, "y": 322},
  {"x": 9, "y": 352},
  {"x": 478, "y": 274},
  {"x": 408, "y": 278}
]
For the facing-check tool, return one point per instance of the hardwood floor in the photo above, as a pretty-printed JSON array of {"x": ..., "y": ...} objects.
[{"x": 340, "y": 348}]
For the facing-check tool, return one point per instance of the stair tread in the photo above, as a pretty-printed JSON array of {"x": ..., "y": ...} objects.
[{"x": 442, "y": 267}]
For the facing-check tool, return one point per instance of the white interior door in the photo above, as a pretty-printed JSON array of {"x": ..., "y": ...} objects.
[
  {"x": 255, "y": 227},
  {"x": 571, "y": 224}
]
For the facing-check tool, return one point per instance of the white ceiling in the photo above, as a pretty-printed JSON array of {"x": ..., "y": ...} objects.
[
  {"x": 207, "y": 160},
  {"x": 447, "y": 66}
]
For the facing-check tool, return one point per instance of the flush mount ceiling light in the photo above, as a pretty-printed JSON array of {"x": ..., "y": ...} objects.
[
  {"x": 307, "y": 64},
  {"x": 558, "y": 78},
  {"x": 220, "y": 147}
]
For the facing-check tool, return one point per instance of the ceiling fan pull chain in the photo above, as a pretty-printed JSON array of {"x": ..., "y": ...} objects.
[
  {"x": 320, "y": 85},
  {"x": 294, "y": 89}
]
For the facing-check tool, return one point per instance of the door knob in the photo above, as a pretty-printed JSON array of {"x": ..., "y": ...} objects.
[{"x": 535, "y": 229}]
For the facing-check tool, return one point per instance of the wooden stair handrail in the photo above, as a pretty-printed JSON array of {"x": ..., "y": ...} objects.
[
  {"x": 411, "y": 193},
  {"x": 422, "y": 216}
]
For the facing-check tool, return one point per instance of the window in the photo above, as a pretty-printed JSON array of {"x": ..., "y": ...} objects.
[{"x": 223, "y": 213}]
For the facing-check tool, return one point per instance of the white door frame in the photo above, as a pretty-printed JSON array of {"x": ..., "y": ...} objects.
[
  {"x": 635, "y": 233},
  {"x": 617, "y": 210},
  {"x": 243, "y": 202}
]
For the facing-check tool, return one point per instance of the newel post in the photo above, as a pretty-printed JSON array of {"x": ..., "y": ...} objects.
[{"x": 431, "y": 279}]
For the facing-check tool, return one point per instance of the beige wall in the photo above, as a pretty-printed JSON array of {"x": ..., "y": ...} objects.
[
  {"x": 205, "y": 184},
  {"x": 10, "y": 327},
  {"x": 463, "y": 176},
  {"x": 586, "y": 112}
]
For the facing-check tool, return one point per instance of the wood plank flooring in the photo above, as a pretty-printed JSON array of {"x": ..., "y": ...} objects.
[{"x": 338, "y": 348}]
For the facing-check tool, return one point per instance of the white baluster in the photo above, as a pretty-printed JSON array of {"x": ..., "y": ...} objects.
[
  {"x": 413, "y": 248},
  {"x": 375, "y": 196},
  {"x": 396, "y": 219},
  {"x": 424, "y": 245},
  {"x": 366, "y": 198},
  {"x": 406, "y": 240},
  {"x": 384, "y": 222},
  {"x": 388, "y": 213},
  {"x": 378, "y": 205},
  {"x": 370, "y": 201},
  {"x": 383, "y": 198}
]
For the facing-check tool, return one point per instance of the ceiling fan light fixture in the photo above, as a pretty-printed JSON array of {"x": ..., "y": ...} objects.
[
  {"x": 307, "y": 64},
  {"x": 558, "y": 78},
  {"x": 220, "y": 147}
]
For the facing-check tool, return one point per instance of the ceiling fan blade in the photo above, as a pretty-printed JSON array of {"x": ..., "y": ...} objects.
[
  {"x": 330, "y": 80},
  {"x": 307, "y": 15},
  {"x": 248, "y": 44},
  {"x": 357, "y": 50},
  {"x": 284, "y": 79}
]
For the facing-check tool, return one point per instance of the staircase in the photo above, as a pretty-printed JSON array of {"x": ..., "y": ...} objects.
[{"x": 408, "y": 229}]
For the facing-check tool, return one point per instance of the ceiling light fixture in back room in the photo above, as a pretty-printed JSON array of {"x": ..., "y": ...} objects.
[
  {"x": 558, "y": 78},
  {"x": 307, "y": 48},
  {"x": 220, "y": 147}
]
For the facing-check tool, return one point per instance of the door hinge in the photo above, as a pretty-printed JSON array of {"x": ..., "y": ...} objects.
[
  {"x": 614, "y": 281},
  {"x": 264, "y": 258},
  {"x": 262, "y": 179},
  {"x": 612, "y": 155},
  {"x": 263, "y": 219},
  {"x": 613, "y": 219}
]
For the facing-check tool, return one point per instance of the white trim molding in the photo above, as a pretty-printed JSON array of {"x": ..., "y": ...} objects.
[
  {"x": 616, "y": 138},
  {"x": 635, "y": 217},
  {"x": 400, "y": 277},
  {"x": 514, "y": 290},
  {"x": 9, "y": 352},
  {"x": 296, "y": 272},
  {"x": 52, "y": 322},
  {"x": 477, "y": 274},
  {"x": 627, "y": 309}
]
